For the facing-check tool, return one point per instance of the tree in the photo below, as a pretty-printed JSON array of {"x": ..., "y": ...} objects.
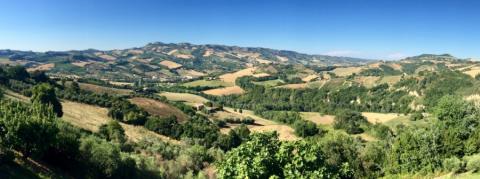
[
  {"x": 104, "y": 159},
  {"x": 253, "y": 159},
  {"x": 18, "y": 73},
  {"x": 451, "y": 108},
  {"x": 113, "y": 131},
  {"x": 166, "y": 126},
  {"x": 305, "y": 128},
  {"x": 45, "y": 94},
  {"x": 28, "y": 129},
  {"x": 350, "y": 122},
  {"x": 39, "y": 76}
]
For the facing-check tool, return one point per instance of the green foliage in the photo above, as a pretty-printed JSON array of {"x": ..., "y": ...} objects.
[
  {"x": 166, "y": 126},
  {"x": 113, "y": 131},
  {"x": 18, "y": 73},
  {"x": 380, "y": 131},
  {"x": 124, "y": 111},
  {"x": 451, "y": 108},
  {"x": 305, "y": 128},
  {"x": 416, "y": 116},
  {"x": 453, "y": 164},
  {"x": 350, "y": 122},
  {"x": 253, "y": 159},
  {"x": 414, "y": 150},
  {"x": 28, "y": 129},
  {"x": 263, "y": 156},
  {"x": 45, "y": 94},
  {"x": 105, "y": 159},
  {"x": 473, "y": 163}
]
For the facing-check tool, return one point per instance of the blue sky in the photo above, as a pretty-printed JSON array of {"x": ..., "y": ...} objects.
[{"x": 381, "y": 29}]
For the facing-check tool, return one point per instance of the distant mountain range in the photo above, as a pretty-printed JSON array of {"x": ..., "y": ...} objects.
[{"x": 165, "y": 60}]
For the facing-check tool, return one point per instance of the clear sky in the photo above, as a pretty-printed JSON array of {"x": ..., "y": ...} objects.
[{"x": 382, "y": 29}]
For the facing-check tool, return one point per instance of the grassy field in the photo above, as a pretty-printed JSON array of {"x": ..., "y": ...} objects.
[
  {"x": 285, "y": 132},
  {"x": 347, "y": 71},
  {"x": 102, "y": 89},
  {"x": 84, "y": 116},
  {"x": 373, "y": 117},
  {"x": 158, "y": 108},
  {"x": 231, "y": 77},
  {"x": 225, "y": 91},
  {"x": 317, "y": 118},
  {"x": 208, "y": 83},
  {"x": 269, "y": 83},
  {"x": 90, "y": 117},
  {"x": 390, "y": 80},
  {"x": 188, "y": 98},
  {"x": 367, "y": 81}
]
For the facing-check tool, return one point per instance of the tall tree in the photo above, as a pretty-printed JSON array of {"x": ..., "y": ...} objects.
[{"x": 45, "y": 94}]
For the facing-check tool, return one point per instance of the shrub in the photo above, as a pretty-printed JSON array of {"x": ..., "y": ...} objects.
[
  {"x": 416, "y": 116},
  {"x": 305, "y": 128},
  {"x": 453, "y": 164},
  {"x": 350, "y": 122},
  {"x": 473, "y": 163}
]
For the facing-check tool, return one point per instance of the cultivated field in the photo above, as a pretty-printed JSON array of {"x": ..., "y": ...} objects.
[
  {"x": 191, "y": 73},
  {"x": 209, "y": 83},
  {"x": 44, "y": 67},
  {"x": 85, "y": 116},
  {"x": 318, "y": 118},
  {"x": 309, "y": 78},
  {"x": 91, "y": 117},
  {"x": 367, "y": 81},
  {"x": 102, "y": 89},
  {"x": 262, "y": 125},
  {"x": 294, "y": 86},
  {"x": 390, "y": 80},
  {"x": 473, "y": 71},
  {"x": 347, "y": 71},
  {"x": 225, "y": 91},
  {"x": 231, "y": 77},
  {"x": 170, "y": 65},
  {"x": 373, "y": 117},
  {"x": 158, "y": 108},
  {"x": 184, "y": 97}
]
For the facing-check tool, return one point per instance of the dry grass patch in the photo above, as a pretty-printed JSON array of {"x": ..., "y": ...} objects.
[
  {"x": 347, "y": 71},
  {"x": 309, "y": 78},
  {"x": 81, "y": 64},
  {"x": 286, "y": 133},
  {"x": 259, "y": 75},
  {"x": 44, "y": 67},
  {"x": 191, "y": 73},
  {"x": 137, "y": 133},
  {"x": 231, "y": 77},
  {"x": 282, "y": 59},
  {"x": 170, "y": 64},
  {"x": 294, "y": 86},
  {"x": 318, "y": 118},
  {"x": 209, "y": 83},
  {"x": 158, "y": 108},
  {"x": 225, "y": 91},
  {"x": 373, "y": 117},
  {"x": 116, "y": 83},
  {"x": 184, "y": 97},
  {"x": 367, "y": 81},
  {"x": 102, "y": 89},
  {"x": 473, "y": 71},
  {"x": 107, "y": 57},
  {"x": 390, "y": 80},
  {"x": 84, "y": 116}
]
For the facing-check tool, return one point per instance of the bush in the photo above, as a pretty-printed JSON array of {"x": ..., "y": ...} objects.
[
  {"x": 350, "y": 122},
  {"x": 305, "y": 128},
  {"x": 473, "y": 163},
  {"x": 453, "y": 164},
  {"x": 416, "y": 116}
]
